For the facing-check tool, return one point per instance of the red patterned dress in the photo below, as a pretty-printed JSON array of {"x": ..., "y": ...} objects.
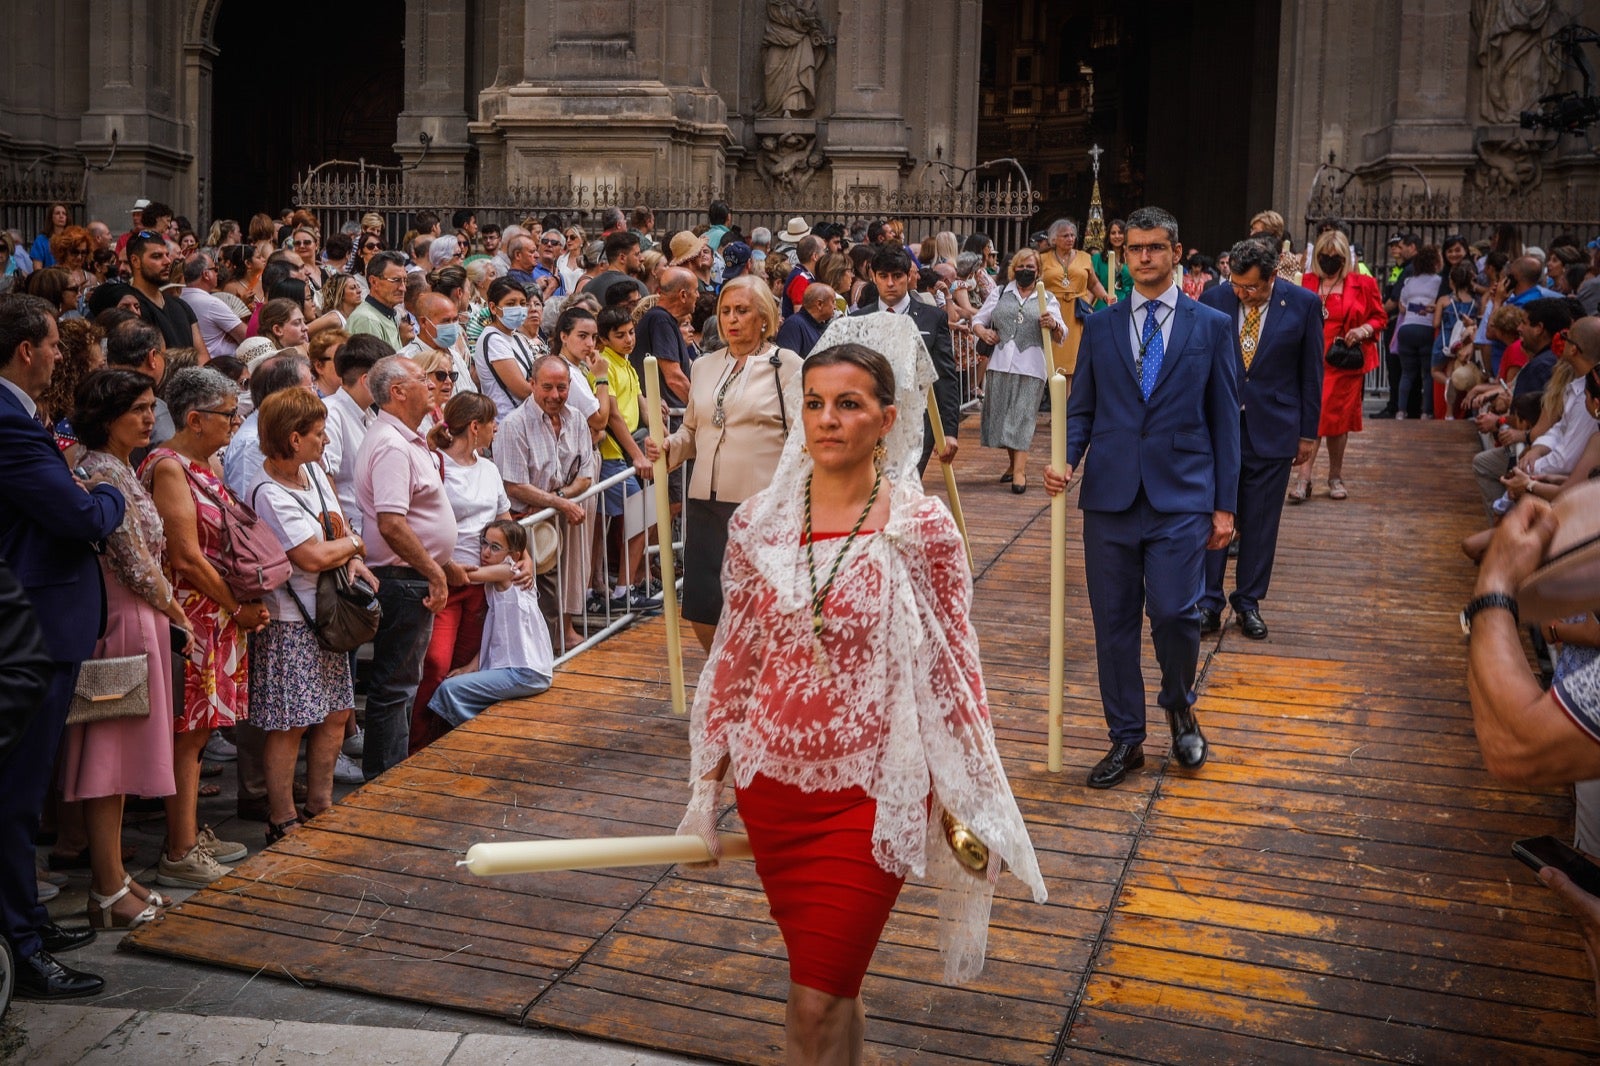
[{"x": 216, "y": 693}]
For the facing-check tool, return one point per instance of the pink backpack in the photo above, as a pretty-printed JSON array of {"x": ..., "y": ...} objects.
[{"x": 249, "y": 558}]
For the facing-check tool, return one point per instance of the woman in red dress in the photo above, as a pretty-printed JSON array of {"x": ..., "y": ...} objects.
[
  {"x": 844, "y": 691},
  {"x": 1353, "y": 312}
]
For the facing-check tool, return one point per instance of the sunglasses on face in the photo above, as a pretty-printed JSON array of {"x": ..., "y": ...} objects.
[{"x": 442, "y": 376}]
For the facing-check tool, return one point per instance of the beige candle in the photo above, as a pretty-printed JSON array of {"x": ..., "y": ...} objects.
[
  {"x": 1058, "y": 568},
  {"x": 669, "y": 571},
  {"x": 600, "y": 853}
]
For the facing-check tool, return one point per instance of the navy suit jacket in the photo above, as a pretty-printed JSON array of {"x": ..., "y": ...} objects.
[
  {"x": 1281, "y": 393},
  {"x": 1182, "y": 446},
  {"x": 49, "y": 529},
  {"x": 934, "y": 325}
]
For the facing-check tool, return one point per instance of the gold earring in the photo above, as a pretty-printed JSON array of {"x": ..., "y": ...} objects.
[
  {"x": 879, "y": 454},
  {"x": 803, "y": 449}
]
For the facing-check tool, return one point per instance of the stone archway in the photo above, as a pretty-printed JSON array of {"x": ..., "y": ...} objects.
[{"x": 258, "y": 121}]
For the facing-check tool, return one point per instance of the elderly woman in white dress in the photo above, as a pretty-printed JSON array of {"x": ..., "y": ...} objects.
[{"x": 1010, "y": 320}]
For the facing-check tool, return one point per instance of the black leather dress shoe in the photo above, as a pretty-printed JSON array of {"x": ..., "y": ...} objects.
[
  {"x": 40, "y": 976},
  {"x": 1188, "y": 743},
  {"x": 1251, "y": 625},
  {"x": 1210, "y": 621},
  {"x": 56, "y": 939},
  {"x": 1115, "y": 766}
]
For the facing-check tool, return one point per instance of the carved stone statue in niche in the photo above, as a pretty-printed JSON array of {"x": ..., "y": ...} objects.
[
  {"x": 787, "y": 161},
  {"x": 1513, "y": 50},
  {"x": 1508, "y": 167},
  {"x": 792, "y": 48}
]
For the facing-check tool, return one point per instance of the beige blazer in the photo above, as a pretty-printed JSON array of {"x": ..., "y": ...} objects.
[{"x": 734, "y": 462}]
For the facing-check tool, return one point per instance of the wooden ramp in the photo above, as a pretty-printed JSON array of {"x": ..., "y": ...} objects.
[{"x": 1335, "y": 883}]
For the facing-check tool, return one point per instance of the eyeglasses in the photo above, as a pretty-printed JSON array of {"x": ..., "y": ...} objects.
[
  {"x": 489, "y": 545},
  {"x": 1248, "y": 290},
  {"x": 392, "y": 279},
  {"x": 442, "y": 376},
  {"x": 231, "y": 414},
  {"x": 369, "y": 247},
  {"x": 1147, "y": 249}
]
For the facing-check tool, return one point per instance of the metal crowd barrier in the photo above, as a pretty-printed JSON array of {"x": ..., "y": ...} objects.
[{"x": 638, "y": 517}]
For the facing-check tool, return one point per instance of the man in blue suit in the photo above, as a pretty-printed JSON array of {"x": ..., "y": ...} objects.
[
  {"x": 1154, "y": 418},
  {"x": 1278, "y": 345},
  {"x": 50, "y": 527}
]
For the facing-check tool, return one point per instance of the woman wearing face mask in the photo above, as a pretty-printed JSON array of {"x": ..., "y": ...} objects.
[
  {"x": 1352, "y": 312},
  {"x": 504, "y": 358},
  {"x": 1010, "y": 322}
]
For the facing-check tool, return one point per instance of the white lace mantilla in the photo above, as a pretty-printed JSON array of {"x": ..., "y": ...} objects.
[{"x": 896, "y": 706}]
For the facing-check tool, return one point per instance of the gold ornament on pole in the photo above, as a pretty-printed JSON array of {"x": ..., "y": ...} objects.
[{"x": 1094, "y": 228}]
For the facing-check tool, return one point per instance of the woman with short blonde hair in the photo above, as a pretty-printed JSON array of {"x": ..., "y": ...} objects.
[{"x": 1352, "y": 312}]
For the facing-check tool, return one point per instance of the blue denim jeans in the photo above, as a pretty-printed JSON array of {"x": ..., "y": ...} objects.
[
  {"x": 462, "y": 698},
  {"x": 397, "y": 654}
]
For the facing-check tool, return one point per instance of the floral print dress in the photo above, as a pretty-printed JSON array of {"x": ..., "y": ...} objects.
[{"x": 216, "y": 692}]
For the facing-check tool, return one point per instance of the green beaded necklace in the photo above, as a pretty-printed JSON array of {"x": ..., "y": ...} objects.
[{"x": 820, "y": 596}]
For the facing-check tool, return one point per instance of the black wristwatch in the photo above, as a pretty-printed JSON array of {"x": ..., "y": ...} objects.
[{"x": 1484, "y": 603}]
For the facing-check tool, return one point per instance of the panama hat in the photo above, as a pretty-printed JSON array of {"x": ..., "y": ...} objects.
[
  {"x": 794, "y": 231},
  {"x": 544, "y": 544}
]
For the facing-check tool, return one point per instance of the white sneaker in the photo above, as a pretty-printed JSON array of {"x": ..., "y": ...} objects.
[
  {"x": 224, "y": 851},
  {"x": 355, "y": 745},
  {"x": 219, "y": 749},
  {"x": 197, "y": 869},
  {"x": 347, "y": 772},
  {"x": 47, "y": 892}
]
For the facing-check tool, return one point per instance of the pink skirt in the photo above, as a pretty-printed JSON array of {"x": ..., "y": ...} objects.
[{"x": 130, "y": 756}]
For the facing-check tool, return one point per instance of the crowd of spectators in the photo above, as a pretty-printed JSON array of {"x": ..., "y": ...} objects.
[
  {"x": 456, "y": 417},
  {"x": 454, "y": 420}
]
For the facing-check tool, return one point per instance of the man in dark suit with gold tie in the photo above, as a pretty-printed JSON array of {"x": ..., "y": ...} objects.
[{"x": 1278, "y": 340}]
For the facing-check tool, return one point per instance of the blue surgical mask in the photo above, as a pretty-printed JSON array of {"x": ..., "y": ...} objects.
[
  {"x": 514, "y": 317},
  {"x": 447, "y": 334}
]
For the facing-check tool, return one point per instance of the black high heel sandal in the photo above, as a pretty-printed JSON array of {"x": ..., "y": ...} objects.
[{"x": 276, "y": 831}]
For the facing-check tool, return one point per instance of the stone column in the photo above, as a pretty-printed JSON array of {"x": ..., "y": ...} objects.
[
  {"x": 634, "y": 69},
  {"x": 1422, "y": 82},
  {"x": 133, "y": 91},
  {"x": 436, "y": 90},
  {"x": 867, "y": 139}
]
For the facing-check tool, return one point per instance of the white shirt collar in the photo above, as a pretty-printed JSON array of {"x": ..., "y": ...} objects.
[
  {"x": 1168, "y": 298},
  {"x": 27, "y": 401},
  {"x": 899, "y": 308}
]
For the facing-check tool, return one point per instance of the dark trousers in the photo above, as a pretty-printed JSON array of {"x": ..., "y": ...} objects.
[
  {"x": 1416, "y": 371},
  {"x": 397, "y": 654},
  {"x": 1262, "y": 484},
  {"x": 26, "y": 774},
  {"x": 1141, "y": 559}
]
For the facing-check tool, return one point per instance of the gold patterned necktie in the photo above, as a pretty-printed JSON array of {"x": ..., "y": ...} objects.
[{"x": 1249, "y": 334}]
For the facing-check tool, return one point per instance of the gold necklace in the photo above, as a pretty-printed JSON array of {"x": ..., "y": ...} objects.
[{"x": 819, "y": 596}]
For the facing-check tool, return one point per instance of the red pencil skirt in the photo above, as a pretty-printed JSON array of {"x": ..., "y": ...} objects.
[{"x": 830, "y": 898}]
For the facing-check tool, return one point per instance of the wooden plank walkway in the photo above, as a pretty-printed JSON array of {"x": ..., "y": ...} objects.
[{"x": 1335, "y": 883}]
